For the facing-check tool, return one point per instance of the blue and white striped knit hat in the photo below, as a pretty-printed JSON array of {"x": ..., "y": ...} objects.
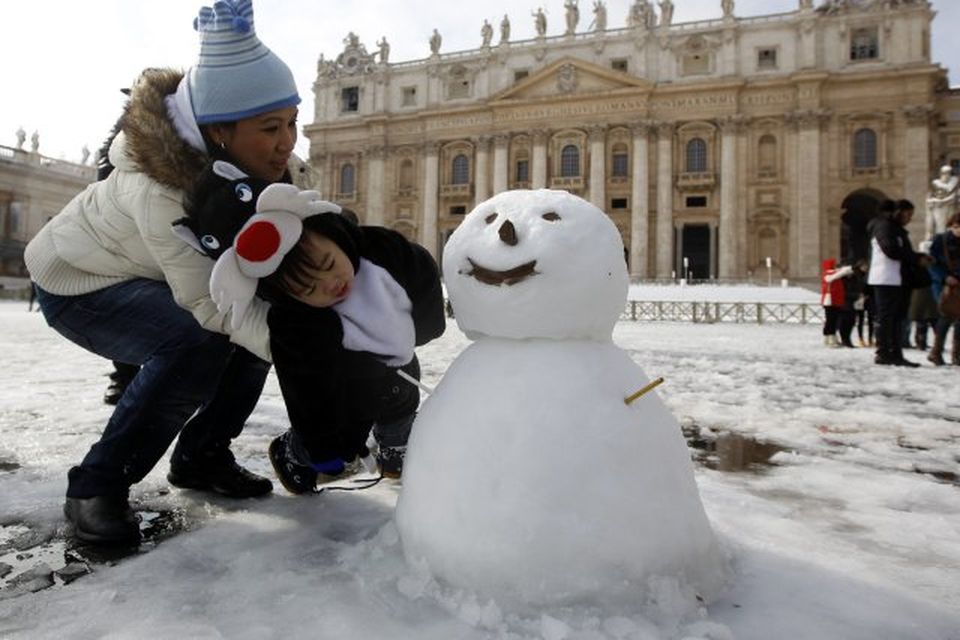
[{"x": 237, "y": 76}]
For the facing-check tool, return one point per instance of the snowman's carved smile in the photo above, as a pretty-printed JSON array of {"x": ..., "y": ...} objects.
[{"x": 496, "y": 278}]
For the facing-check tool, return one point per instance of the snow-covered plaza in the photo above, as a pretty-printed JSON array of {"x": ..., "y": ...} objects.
[{"x": 832, "y": 484}]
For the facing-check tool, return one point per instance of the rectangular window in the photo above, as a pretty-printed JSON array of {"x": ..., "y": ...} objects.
[
  {"x": 767, "y": 58},
  {"x": 350, "y": 99},
  {"x": 620, "y": 165},
  {"x": 619, "y": 64},
  {"x": 458, "y": 210},
  {"x": 864, "y": 44},
  {"x": 695, "y": 202},
  {"x": 520, "y": 74},
  {"x": 523, "y": 171},
  {"x": 458, "y": 89},
  {"x": 618, "y": 203},
  {"x": 409, "y": 98},
  {"x": 696, "y": 64}
]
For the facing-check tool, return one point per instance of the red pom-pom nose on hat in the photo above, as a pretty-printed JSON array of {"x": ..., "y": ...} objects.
[{"x": 258, "y": 242}]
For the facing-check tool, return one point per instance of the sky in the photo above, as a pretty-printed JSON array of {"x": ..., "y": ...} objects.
[
  {"x": 64, "y": 62},
  {"x": 845, "y": 525}
]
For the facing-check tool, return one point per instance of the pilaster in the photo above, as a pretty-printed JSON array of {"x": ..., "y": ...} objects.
[
  {"x": 431, "y": 181},
  {"x": 640, "y": 201},
  {"x": 664, "y": 199}
]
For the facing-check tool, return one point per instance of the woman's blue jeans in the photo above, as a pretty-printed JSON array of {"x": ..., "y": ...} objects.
[{"x": 191, "y": 381}]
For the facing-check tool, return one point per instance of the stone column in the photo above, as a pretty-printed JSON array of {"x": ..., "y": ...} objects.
[
  {"x": 375, "y": 185},
  {"x": 664, "y": 243},
  {"x": 332, "y": 184},
  {"x": 481, "y": 173},
  {"x": 598, "y": 165},
  {"x": 640, "y": 202},
  {"x": 730, "y": 128},
  {"x": 538, "y": 168},
  {"x": 809, "y": 200},
  {"x": 431, "y": 181},
  {"x": 916, "y": 183},
  {"x": 500, "y": 157},
  {"x": 319, "y": 164}
]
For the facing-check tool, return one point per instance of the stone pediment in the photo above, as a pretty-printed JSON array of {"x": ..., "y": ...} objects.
[{"x": 570, "y": 77}]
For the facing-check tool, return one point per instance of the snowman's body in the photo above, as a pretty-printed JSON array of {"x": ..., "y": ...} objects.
[{"x": 527, "y": 475}]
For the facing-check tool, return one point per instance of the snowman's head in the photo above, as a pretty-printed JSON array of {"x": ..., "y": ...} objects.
[{"x": 536, "y": 264}]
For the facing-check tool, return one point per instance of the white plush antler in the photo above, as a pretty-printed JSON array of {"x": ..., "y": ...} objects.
[
  {"x": 286, "y": 197},
  {"x": 230, "y": 288}
]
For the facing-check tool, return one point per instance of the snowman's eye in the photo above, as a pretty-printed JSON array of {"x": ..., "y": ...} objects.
[
  {"x": 244, "y": 192},
  {"x": 490, "y": 218},
  {"x": 210, "y": 242},
  {"x": 551, "y": 216}
]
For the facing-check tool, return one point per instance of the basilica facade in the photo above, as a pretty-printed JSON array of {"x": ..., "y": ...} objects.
[{"x": 721, "y": 148}]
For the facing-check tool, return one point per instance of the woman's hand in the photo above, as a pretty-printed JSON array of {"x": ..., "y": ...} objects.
[{"x": 952, "y": 282}]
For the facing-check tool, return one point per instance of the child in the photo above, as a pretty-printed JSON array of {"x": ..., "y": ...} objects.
[
  {"x": 833, "y": 299},
  {"x": 348, "y": 305}
]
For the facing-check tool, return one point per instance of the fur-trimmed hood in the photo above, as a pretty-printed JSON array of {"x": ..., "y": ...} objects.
[{"x": 152, "y": 142}]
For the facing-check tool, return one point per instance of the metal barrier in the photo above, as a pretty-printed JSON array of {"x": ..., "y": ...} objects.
[{"x": 737, "y": 312}]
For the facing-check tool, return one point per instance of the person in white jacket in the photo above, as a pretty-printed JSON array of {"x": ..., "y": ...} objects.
[{"x": 111, "y": 275}]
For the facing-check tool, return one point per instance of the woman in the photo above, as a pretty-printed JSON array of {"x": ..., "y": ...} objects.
[
  {"x": 891, "y": 259},
  {"x": 945, "y": 270},
  {"x": 112, "y": 277}
]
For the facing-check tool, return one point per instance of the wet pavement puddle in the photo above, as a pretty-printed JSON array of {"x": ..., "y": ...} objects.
[
  {"x": 729, "y": 451},
  {"x": 33, "y": 559}
]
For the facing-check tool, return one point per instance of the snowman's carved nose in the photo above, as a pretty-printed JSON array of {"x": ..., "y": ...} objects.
[{"x": 508, "y": 234}]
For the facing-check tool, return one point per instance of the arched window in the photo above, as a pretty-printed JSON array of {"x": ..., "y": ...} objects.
[
  {"x": 696, "y": 156},
  {"x": 570, "y": 161},
  {"x": 522, "y": 166},
  {"x": 767, "y": 154},
  {"x": 406, "y": 174},
  {"x": 619, "y": 161},
  {"x": 347, "y": 178},
  {"x": 865, "y": 149},
  {"x": 460, "y": 173},
  {"x": 768, "y": 246}
]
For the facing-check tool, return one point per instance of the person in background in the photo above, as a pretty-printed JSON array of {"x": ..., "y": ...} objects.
[
  {"x": 945, "y": 270},
  {"x": 348, "y": 305},
  {"x": 834, "y": 301},
  {"x": 923, "y": 315},
  {"x": 869, "y": 316},
  {"x": 113, "y": 278},
  {"x": 891, "y": 257}
]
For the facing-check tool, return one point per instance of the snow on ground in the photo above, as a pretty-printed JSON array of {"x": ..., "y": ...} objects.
[{"x": 851, "y": 530}]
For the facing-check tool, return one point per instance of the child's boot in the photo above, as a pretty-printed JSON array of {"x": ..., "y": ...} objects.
[{"x": 392, "y": 439}]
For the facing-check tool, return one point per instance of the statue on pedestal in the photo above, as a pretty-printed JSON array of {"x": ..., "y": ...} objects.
[
  {"x": 21, "y": 137},
  {"x": 540, "y": 22},
  {"x": 642, "y": 15},
  {"x": 572, "y": 16},
  {"x": 384, "y": 50},
  {"x": 505, "y": 29},
  {"x": 942, "y": 201},
  {"x": 35, "y": 142},
  {"x": 435, "y": 41},
  {"x": 727, "y": 6},
  {"x": 486, "y": 34},
  {"x": 84, "y": 154},
  {"x": 666, "y": 12},
  {"x": 599, "y": 15}
]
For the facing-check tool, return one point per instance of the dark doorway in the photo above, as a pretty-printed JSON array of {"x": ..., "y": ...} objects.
[
  {"x": 859, "y": 208},
  {"x": 696, "y": 249}
]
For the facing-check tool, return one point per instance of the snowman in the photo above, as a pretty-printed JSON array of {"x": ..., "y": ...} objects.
[{"x": 529, "y": 477}]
